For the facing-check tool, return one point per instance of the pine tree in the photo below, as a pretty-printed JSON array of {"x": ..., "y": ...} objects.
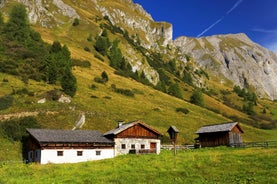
[
  {"x": 1, "y": 22},
  {"x": 17, "y": 28},
  {"x": 197, "y": 97},
  {"x": 115, "y": 56},
  {"x": 175, "y": 90},
  {"x": 69, "y": 83}
]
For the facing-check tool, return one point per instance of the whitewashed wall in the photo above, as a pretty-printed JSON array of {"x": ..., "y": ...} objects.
[
  {"x": 137, "y": 142},
  {"x": 70, "y": 155}
]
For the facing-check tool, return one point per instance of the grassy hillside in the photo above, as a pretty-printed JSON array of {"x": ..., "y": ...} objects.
[{"x": 220, "y": 165}]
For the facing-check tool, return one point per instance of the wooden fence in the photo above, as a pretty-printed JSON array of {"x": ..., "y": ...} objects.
[{"x": 265, "y": 144}]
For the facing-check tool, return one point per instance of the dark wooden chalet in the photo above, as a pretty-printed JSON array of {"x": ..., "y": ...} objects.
[
  {"x": 135, "y": 137},
  {"x": 227, "y": 134}
]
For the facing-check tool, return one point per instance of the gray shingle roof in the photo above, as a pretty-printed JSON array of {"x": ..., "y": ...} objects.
[
  {"x": 226, "y": 127},
  {"x": 128, "y": 125},
  {"x": 72, "y": 136}
]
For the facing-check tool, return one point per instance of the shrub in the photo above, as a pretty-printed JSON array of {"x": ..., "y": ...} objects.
[
  {"x": 126, "y": 92},
  {"x": 76, "y": 22},
  {"x": 81, "y": 63},
  {"x": 183, "y": 110},
  {"x": 87, "y": 49},
  {"x": 96, "y": 55},
  {"x": 15, "y": 129},
  {"x": 6, "y": 102},
  {"x": 175, "y": 90},
  {"x": 197, "y": 97},
  {"x": 93, "y": 86}
]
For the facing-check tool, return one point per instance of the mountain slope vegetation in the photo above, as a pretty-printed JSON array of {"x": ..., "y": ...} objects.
[{"x": 112, "y": 73}]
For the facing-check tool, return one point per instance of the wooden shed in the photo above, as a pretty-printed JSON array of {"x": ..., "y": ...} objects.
[{"x": 227, "y": 134}]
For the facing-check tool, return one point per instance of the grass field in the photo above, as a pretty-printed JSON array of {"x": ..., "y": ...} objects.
[{"x": 216, "y": 165}]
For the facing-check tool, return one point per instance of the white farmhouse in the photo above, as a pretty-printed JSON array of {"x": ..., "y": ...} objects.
[
  {"x": 71, "y": 146},
  {"x": 135, "y": 137},
  {"x": 68, "y": 146}
]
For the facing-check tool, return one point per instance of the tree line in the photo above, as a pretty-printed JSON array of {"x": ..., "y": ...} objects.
[{"x": 23, "y": 53}]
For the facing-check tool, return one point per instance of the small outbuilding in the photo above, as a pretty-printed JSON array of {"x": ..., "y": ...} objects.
[{"x": 226, "y": 134}]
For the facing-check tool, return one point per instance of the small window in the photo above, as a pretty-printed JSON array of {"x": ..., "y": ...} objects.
[
  {"x": 133, "y": 146},
  {"x": 142, "y": 146},
  {"x": 98, "y": 152},
  {"x": 31, "y": 155},
  {"x": 79, "y": 153},
  {"x": 60, "y": 153},
  {"x": 123, "y": 146}
]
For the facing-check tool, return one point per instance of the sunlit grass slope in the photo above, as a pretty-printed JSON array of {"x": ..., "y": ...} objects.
[{"x": 220, "y": 165}]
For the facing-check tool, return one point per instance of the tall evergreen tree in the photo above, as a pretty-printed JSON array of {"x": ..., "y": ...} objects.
[
  {"x": 115, "y": 55},
  {"x": 17, "y": 27},
  {"x": 69, "y": 83},
  {"x": 1, "y": 22},
  {"x": 175, "y": 90},
  {"x": 197, "y": 97},
  {"x": 102, "y": 45}
]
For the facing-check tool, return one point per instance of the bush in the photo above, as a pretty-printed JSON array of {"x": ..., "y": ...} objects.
[
  {"x": 197, "y": 97},
  {"x": 15, "y": 129},
  {"x": 6, "y": 102},
  {"x": 183, "y": 110},
  {"x": 126, "y": 92},
  {"x": 98, "y": 56},
  {"x": 81, "y": 63},
  {"x": 76, "y": 22},
  {"x": 87, "y": 49}
]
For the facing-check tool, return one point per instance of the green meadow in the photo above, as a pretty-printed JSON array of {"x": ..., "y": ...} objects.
[{"x": 209, "y": 165}]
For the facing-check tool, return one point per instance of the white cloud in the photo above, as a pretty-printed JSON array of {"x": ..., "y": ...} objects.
[{"x": 261, "y": 30}]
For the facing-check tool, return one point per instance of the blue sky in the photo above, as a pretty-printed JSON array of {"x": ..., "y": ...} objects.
[{"x": 196, "y": 18}]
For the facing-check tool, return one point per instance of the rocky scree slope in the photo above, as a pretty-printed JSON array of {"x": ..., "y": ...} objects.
[{"x": 237, "y": 58}]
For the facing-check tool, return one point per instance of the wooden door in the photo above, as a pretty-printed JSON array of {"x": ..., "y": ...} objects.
[{"x": 153, "y": 145}]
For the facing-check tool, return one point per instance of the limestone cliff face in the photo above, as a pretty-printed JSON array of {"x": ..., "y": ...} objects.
[
  {"x": 237, "y": 58},
  {"x": 134, "y": 18}
]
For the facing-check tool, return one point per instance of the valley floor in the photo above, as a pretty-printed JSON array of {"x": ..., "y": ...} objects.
[{"x": 213, "y": 165}]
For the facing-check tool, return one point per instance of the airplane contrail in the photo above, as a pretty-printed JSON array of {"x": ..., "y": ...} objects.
[
  {"x": 219, "y": 20},
  {"x": 210, "y": 27},
  {"x": 235, "y": 6}
]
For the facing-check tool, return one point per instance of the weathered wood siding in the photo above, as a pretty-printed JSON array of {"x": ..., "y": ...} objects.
[
  {"x": 221, "y": 138},
  {"x": 138, "y": 131},
  {"x": 214, "y": 139}
]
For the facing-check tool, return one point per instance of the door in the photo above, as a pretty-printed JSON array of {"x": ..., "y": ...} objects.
[{"x": 153, "y": 147}]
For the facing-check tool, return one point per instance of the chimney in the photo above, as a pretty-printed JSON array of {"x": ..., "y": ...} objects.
[{"x": 120, "y": 123}]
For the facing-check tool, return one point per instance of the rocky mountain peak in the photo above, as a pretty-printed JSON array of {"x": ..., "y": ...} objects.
[{"x": 237, "y": 58}]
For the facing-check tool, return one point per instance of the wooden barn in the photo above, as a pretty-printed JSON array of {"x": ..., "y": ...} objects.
[
  {"x": 226, "y": 134},
  {"x": 67, "y": 146},
  {"x": 135, "y": 137}
]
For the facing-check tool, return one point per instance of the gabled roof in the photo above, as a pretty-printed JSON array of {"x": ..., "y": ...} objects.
[
  {"x": 173, "y": 128},
  {"x": 72, "y": 136},
  {"x": 226, "y": 127},
  {"x": 128, "y": 125}
]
